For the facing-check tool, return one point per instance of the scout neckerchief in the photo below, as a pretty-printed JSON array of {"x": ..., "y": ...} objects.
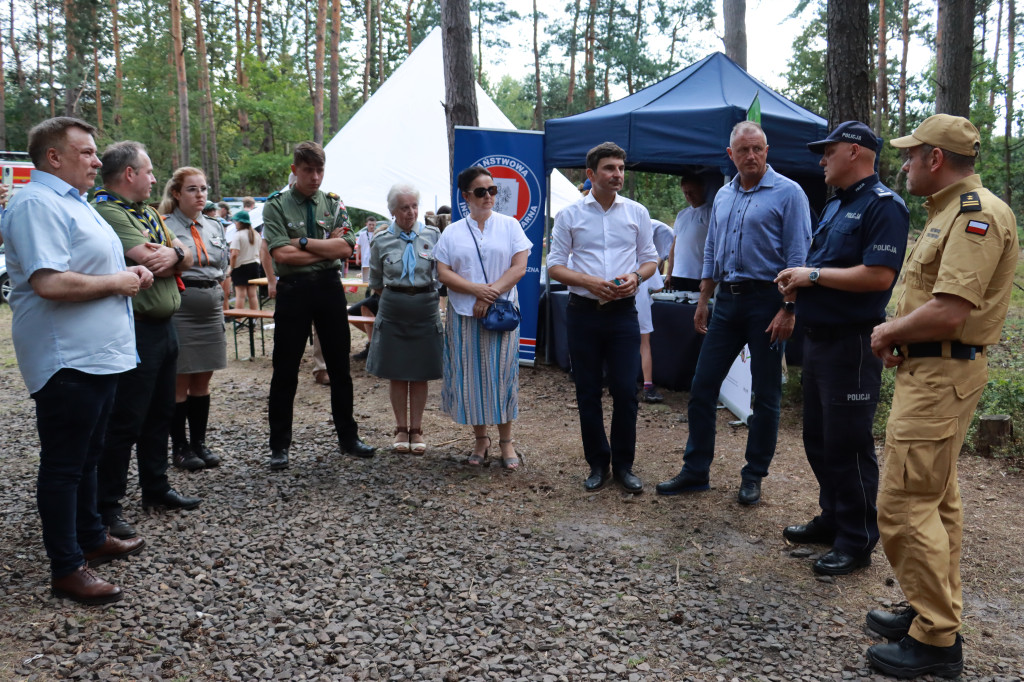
[
  {"x": 156, "y": 230},
  {"x": 409, "y": 255},
  {"x": 197, "y": 237}
]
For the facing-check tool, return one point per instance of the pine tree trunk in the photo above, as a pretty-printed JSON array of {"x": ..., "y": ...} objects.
[
  {"x": 847, "y": 58},
  {"x": 538, "y": 109},
  {"x": 588, "y": 57},
  {"x": 3, "y": 94},
  {"x": 99, "y": 91},
  {"x": 636, "y": 41},
  {"x": 954, "y": 54},
  {"x": 480, "y": 40},
  {"x": 241, "y": 80},
  {"x": 49, "y": 64},
  {"x": 335, "y": 64},
  {"x": 572, "y": 52},
  {"x": 318, "y": 72},
  {"x": 881, "y": 83},
  {"x": 211, "y": 161},
  {"x": 369, "y": 50},
  {"x": 408, "y": 26},
  {"x": 118, "y": 69},
  {"x": 735, "y": 18},
  {"x": 1011, "y": 34},
  {"x": 460, "y": 89},
  {"x": 905, "y": 35},
  {"x": 179, "y": 66},
  {"x": 19, "y": 72},
  {"x": 995, "y": 54},
  {"x": 607, "y": 50},
  {"x": 258, "y": 33},
  {"x": 380, "y": 77}
]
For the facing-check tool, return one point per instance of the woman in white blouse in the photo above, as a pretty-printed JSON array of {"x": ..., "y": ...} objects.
[{"x": 481, "y": 258}]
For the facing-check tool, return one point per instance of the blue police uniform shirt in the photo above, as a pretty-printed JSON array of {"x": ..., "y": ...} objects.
[{"x": 867, "y": 223}]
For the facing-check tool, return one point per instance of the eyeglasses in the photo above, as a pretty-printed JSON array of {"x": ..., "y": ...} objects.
[
  {"x": 479, "y": 192},
  {"x": 192, "y": 189}
]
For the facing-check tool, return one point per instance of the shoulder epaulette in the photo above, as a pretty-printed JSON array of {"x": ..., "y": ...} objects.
[
  {"x": 332, "y": 195},
  {"x": 274, "y": 195},
  {"x": 883, "y": 192},
  {"x": 970, "y": 202}
]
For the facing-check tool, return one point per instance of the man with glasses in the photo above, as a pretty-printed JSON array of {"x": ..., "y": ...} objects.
[
  {"x": 760, "y": 225},
  {"x": 145, "y": 395}
]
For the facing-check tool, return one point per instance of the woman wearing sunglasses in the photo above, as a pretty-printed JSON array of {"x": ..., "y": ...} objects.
[{"x": 481, "y": 258}]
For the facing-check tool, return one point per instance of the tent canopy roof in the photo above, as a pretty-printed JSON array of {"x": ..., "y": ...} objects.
[{"x": 685, "y": 121}]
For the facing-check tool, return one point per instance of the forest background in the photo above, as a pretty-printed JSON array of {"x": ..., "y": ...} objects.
[{"x": 232, "y": 86}]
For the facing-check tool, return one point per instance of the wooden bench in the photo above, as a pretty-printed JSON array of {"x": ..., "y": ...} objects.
[{"x": 244, "y": 317}]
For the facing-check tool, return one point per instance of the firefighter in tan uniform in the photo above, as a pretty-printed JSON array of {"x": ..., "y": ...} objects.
[{"x": 957, "y": 290}]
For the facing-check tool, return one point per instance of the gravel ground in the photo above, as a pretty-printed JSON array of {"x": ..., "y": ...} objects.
[{"x": 420, "y": 568}]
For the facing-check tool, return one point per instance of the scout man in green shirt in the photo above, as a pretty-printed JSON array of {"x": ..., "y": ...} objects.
[
  {"x": 145, "y": 395},
  {"x": 308, "y": 234}
]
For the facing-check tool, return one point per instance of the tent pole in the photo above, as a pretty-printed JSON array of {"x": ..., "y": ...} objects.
[{"x": 547, "y": 277}]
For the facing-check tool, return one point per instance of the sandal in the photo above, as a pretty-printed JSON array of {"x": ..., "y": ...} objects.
[
  {"x": 401, "y": 446},
  {"x": 476, "y": 459},
  {"x": 416, "y": 448},
  {"x": 510, "y": 463}
]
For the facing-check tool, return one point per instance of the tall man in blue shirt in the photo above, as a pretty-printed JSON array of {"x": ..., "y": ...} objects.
[
  {"x": 855, "y": 255},
  {"x": 760, "y": 225},
  {"x": 607, "y": 240},
  {"x": 72, "y": 332}
]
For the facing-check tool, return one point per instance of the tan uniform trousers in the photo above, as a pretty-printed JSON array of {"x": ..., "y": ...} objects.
[{"x": 920, "y": 516}]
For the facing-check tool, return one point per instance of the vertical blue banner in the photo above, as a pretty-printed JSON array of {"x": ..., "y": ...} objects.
[{"x": 515, "y": 159}]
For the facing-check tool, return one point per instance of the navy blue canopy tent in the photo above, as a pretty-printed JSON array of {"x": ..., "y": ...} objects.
[{"x": 684, "y": 121}]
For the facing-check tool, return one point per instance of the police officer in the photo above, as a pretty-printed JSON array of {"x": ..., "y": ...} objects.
[
  {"x": 855, "y": 256},
  {"x": 308, "y": 234},
  {"x": 957, "y": 291}
]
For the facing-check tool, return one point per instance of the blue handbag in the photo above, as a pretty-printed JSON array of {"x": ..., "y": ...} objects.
[{"x": 503, "y": 315}]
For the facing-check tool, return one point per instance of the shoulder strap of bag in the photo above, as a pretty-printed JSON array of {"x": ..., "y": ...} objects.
[{"x": 478, "y": 254}]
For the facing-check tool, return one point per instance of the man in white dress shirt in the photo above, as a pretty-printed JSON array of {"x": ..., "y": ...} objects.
[{"x": 606, "y": 236}]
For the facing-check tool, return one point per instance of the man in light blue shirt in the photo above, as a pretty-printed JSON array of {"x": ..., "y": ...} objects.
[
  {"x": 760, "y": 225},
  {"x": 72, "y": 332}
]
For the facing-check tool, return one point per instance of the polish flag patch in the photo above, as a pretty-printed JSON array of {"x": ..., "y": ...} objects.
[{"x": 977, "y": 227}]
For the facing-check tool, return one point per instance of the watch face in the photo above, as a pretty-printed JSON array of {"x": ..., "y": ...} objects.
[{"x": 813, "y": 276}]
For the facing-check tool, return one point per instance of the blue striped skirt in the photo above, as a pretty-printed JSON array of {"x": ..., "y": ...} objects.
[{"x": 481, "y": 372}]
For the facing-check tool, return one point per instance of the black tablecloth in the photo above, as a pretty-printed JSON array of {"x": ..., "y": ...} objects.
[{"x": 674, "y": 344}]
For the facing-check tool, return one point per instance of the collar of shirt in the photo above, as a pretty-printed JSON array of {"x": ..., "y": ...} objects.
[
  {"x": 767, "y": 180},
  {"x": 939, "y": 202},
  {"x": 56, "y": 184},
  {"x": 591, "y": 201},
  {"x": 300, "y": 199},
  {"x": 856, "y": 189}
]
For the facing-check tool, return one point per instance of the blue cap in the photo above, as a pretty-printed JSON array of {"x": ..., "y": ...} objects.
[
  {"x": 853, "y": 132},
  {"x": 587, "y": 184}
]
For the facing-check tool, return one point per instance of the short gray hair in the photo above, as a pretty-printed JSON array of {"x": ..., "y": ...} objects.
[
  {"x": 399, "y": 190},
  {"x": 744, "y": 127},
  {"x": 119, "y": 156}
]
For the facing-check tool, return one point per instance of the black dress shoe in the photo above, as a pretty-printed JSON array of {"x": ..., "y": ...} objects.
[
  {"x": 750, "y": 492},
  {"x": 356, "y": 447},
  {"x": 683, "y": 483},
  {"x": 171, "y": 499},
  {"x": 596, "y": 480},
  {"x": 835, "y": 562},
  {"x": 630, "y": 482},
  {"x": 891, "y": 625},
  {"x": 910, "y": 658},
  {"x": 814, "y": 532},
  {"x": 118, "y": 527},
  {"x": 183, "y": 458},
  {"x": 279, "y": 459},
  {"x": 210, "y": 459}
]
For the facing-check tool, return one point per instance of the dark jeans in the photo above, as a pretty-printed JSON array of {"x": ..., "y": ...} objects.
[
  {"x": 71, "y": 414},
  {"x": 601, "y": 339},
  {"x": 841, "y": 380},
  {"x": 141, "y": 417},
  {"x": 320, "y": 301},
  {"x": 737, "y": 319}
]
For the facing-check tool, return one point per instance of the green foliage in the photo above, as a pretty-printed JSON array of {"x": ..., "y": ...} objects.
[{"x": 1004, "y": 394}]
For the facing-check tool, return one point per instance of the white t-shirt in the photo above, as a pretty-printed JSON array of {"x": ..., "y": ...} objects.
[
  {"x": 691, "y": 230},
  {"x": 247, "y": 253},
  {"x": 502, "y": 238}
]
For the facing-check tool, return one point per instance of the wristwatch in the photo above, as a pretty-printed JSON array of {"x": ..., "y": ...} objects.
[
  {"x": 814, "y": 275},
  {"x": 639, "y": 277},
  {"x": 789, "y": 306},
  {"x": 302, "y": 242},
  {"x": 181, "y": 253}
]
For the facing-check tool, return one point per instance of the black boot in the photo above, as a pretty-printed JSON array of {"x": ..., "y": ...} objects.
[
  {"x": 183, "y": 457},
  {"x": 179, "y": 439},
  {"x": 198, "y": 417}
]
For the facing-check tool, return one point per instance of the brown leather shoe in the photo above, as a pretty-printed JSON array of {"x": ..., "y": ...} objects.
[
  {"x": 84, "y": 587},
  {"x": 114, "y": 548},
  {"x": 320, "y": 377}
]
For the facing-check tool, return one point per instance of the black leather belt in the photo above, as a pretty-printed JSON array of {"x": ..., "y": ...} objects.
[
  {"x": 200, "y": 283},
  {"x": 934, "y": 349},
  {"x": 748, "y": 286},
  {"x": 618, "y": 305},
  {"x": 311, "y": 276},
  {"x": 831, "y": 332},
  {"x": 409, "y": 290}
]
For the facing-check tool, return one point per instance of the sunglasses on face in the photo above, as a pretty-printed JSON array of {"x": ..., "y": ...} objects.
[{"x": 479, "y": 192}]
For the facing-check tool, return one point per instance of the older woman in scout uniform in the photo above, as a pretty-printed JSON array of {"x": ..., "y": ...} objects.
[
  {"x": 200, "y": 320},
  {"x": 407, "y": 334},
  {"x": 957, "y": 290}
]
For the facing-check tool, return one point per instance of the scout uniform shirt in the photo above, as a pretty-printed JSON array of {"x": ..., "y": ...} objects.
[
  {"x": 137, "y": 224},
  {"x": 969, "y": 249},
  {"x": 288, "y": 215}
]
